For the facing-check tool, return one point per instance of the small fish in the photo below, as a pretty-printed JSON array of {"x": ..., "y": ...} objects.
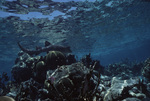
[{"x": 47, "y": 48}]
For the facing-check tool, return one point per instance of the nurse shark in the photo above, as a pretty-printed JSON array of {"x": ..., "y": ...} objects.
[{"x": 48, "y": 47}]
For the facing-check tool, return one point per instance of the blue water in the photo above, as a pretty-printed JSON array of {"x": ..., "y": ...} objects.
[{"x": 121, "y": 31}]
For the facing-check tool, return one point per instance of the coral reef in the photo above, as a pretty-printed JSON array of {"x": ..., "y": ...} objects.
[
  {"x": 123, "y": 89},
  {"x": 70, "y": 58},
  {"x": 72, "y": 80},
  {"x": 40, "y": 71},
  {"x": 24, "y": 66},
  {"x": 88, "y": 61},
  {"x": 28, "y": 91},
  {"x": 36, "y": 67},
  {"x": 124, "y": 70}
]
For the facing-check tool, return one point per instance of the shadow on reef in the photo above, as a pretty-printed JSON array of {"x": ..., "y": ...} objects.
[{"x": 60, "y": 77}]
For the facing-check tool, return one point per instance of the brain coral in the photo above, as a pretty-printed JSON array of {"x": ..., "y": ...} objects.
[{"x": 55, "y": 58}]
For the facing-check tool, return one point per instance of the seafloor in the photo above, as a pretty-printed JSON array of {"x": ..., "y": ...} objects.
[{"x": 99, "y": 50}]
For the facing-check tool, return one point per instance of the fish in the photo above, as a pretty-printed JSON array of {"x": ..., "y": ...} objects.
[{"x": 47, "y": 48}]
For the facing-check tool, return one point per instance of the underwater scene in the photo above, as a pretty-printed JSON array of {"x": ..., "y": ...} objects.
[{"x": 74, "y": 50}]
